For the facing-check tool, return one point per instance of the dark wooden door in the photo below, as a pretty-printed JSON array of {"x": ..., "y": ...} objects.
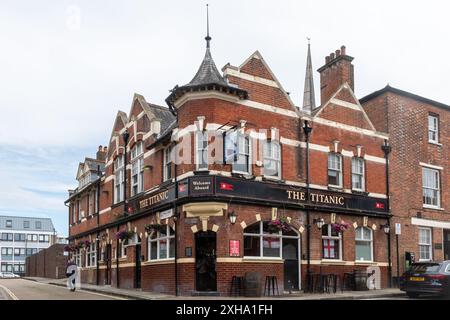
[
  {"x": 137, "y": 274},
  {"x": 446, "y": 244},
  {"x": 108, "y": 259},
  {"x": 291, "y": 264},
  {"x": 205, "y": 261}
]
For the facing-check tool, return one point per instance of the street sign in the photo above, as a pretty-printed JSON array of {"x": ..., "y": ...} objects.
[
  {"x": 166, "y": 214},
  {"x": 398, "y": 228}
]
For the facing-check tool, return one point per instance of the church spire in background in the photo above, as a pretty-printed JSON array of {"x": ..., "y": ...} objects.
[{"x": 309, "y": 102}]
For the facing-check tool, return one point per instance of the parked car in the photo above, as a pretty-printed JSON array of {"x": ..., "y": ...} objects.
[
  {"x": 427, "y": 278},
  {"x": 5, "y": 275}
]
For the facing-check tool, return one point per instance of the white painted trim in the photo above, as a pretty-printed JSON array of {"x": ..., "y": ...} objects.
[
  {"x": 377, "y": 195},
  {"x": 431, "y": 166},
  {"x": 249, "y": 77},
  {"x": 347, "y": 153},
  {"x": 347, "y": 127},
  {"x": 374, "y": 159},
  {"x": 109, "y": 178},
  {"x": 150, "y": 152},
  {"x": 345, "y": 104},
  {"x": 104, "y": 210},
  {"x": 430, "y": 223},
  {"x": 269, "y": 108}
]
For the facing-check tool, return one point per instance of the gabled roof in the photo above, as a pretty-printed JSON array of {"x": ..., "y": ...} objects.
[
  {"x": 333, "y": 101},
  {"x": 406, "y": 94}
]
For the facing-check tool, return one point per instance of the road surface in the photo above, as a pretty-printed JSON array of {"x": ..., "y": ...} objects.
[{"x": 20, "y": 289}]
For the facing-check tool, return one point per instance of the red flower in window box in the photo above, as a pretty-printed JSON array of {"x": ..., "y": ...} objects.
[{"x": 340, "y": 227}]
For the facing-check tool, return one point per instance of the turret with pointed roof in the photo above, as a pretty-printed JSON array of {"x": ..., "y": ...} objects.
[
  {"x": 207, "y": 77},
  {"x": 309, "y": 101}
]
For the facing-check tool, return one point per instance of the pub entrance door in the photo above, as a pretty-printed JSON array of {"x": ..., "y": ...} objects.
[
  {"x": 137, "y": 270},
  {"x": 291, "y": 263},
  {"x": 205, "y": 261},
  {"x": 446, "y": 244},
  {"x": 108, "y": 260}
]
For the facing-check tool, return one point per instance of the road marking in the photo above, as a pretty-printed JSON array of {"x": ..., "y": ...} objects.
[
  {"x": 9, "y": 292},
  {"x": 85, "y": 291}
]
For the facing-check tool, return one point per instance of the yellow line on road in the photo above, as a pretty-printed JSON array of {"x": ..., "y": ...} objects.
[{"x": 9, "y": 292}]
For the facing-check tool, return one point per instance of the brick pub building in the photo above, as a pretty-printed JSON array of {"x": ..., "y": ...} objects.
[{"x": 187, "y": 196}]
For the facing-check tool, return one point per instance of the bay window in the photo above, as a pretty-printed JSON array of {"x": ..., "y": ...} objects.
[{"x": 161, "y": 244}]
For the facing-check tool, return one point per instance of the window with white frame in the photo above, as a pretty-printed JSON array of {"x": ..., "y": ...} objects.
[
  {"x": 91, "y": 203},
  {"x": 272, "y": 159},
  {"x": 425, "y": 244},
  {"x": 77, "y": 258},
  {"x": 137, "y": 169},
  {"x": 364, "y": 244},
  {"x": 123, "y": 249},
  {"x": 243, "y": 158},
  {"x": 168, "y": 163},
  {"x": 358, "y": 174},
  {"x": 119, "y": 183},
  {"x": 91, "y": 255},
  {"x": 335, "y": 170},
  {"x": 331, "y": 243},
  {"x": 433, "y": 128},
  {"x": 161, "y": 244},
  {"x": 259, "y": 242},
  {"x": 202, "y": 150},
  {"x": 431, "y": 187}
]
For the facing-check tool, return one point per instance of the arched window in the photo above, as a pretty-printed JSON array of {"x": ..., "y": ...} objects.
[
  {"x": 161, "y": 244},
  {"x": 331, "y": 243},
  {"x": 364, "y": 244},
  {"x": 259, "y": 242}
]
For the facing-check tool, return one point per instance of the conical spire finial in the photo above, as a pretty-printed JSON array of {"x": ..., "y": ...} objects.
[
  {"x": 309, "y": 102},
  {"x": 207, "y": 38}
]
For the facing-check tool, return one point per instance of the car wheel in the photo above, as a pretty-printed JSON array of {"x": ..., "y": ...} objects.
[{"x": 412, "y": 294}]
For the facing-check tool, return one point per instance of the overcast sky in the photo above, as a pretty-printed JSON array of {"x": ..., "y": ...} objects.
[{"x": 66, "y": 67}]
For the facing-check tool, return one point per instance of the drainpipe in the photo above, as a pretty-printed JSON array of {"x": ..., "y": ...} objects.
[
  {"x": 98, "y": 224},
  {"x": 175, "y": 212},
  {"x": 307, "y": 130},
  {"x": 387, "y": 149}
]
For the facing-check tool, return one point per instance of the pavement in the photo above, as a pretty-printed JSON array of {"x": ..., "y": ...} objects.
[{"x": 136, "y": 294}]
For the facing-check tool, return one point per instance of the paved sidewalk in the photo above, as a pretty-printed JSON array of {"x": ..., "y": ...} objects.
[{"x": 137, "y": 294}]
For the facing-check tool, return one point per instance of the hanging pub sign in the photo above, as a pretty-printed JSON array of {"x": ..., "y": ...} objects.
[{"x": 234, "y": 248}]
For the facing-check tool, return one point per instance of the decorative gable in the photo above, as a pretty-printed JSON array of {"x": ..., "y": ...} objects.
[{"x": 344, "y": 107}]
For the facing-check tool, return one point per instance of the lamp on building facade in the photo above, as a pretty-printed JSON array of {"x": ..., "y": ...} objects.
[
  {"x": 232, "y": 216},
  {"x": 319, "y": 222},
  {"x": 386, "y": 228}
]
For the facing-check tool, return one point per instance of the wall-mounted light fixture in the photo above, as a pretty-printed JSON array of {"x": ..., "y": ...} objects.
[
  {"x": 319, "y": 222},
  {"x": 232, "y": 216}
]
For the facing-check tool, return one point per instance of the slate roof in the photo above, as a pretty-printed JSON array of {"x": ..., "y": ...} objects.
[
  {"x": 403, "y": 93},
  {"x": 17, "y": 223},
  {"x": 207, "y": 73}
]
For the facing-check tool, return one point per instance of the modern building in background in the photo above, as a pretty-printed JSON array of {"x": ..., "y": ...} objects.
[{"x": 21, "y": 237}]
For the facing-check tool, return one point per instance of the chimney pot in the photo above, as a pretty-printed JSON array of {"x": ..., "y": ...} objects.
[
  {"x": 99, "y": 148},
  {"x": 343, "y": 50},
  {"x": 338, "y": 53},
  {"x": 327, "y": 59},
  {"x": 105, "y": 148},
  {"x": 332, "y": 56}
]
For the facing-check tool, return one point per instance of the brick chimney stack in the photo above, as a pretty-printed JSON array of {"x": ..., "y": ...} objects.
[
  {"x": 337, "y": 70},
  {"x": 101, "y": 153}
]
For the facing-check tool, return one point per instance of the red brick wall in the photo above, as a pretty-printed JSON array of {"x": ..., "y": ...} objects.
[{"x": 48, "y": 263}]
